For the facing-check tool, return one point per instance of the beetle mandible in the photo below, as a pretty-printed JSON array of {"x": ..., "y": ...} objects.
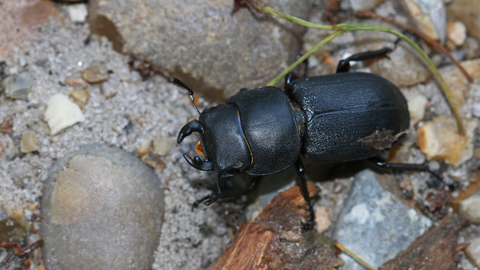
[{"x": 334, "y": 118}]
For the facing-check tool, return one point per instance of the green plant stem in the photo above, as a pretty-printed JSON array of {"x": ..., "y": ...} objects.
[
  {"x": 307, "y": 54},
  {"x": 343, "y": 27}
]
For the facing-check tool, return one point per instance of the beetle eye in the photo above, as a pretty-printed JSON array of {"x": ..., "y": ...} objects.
[{"x": 199, "y": 148}]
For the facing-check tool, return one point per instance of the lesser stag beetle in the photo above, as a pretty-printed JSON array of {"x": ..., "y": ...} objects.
[{"x": 334, "y": 118}]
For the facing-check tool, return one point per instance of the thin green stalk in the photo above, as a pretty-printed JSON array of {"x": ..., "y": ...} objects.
[
  {"x": 343, "y": 27},
  {"x": 294, "y": 19},
  {"x": 301, "y": 59}
]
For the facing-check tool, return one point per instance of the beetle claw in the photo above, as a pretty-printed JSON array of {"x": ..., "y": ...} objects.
[
  {"x": 199, "y": 164},
  {"x": 188, "y": 129}
]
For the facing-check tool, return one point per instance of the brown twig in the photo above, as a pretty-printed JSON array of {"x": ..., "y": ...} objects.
[
  {"x": 416, "y": 31},
  {"x": 19, "y": 252}
]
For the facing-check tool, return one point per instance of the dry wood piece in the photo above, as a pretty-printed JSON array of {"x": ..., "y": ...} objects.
[
  {"x": 435, "y": 249},
  {"x": 276, "y": 239}
]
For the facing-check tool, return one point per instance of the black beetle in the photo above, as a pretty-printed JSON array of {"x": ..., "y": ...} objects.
[{"x": 333, "y": 118}]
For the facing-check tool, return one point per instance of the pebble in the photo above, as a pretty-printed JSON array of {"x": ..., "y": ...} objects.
[
  {"x": 17, "y": 86},
  {"x": 142, "y": 149},
  {"x": 468, "y": 12},
  {"x": 154, "y": 161},
  {"x": 61, "y": 113},
  {"x": 371, "y": 218},
  {"x": 7, "y": 125},
  {"x": 429, "y": 15},
  {"x": 161, "y": 145},
  {"x": 96, "y": 72},
  {"x": 107, "y": 90},
  {"x": 460, "y": 88},
  {"x": 476, "y": 110},
  {"x": 456, "y": 32},
  {"x": 29, "y": 142},
  {"x": 204, "y": 45},
  {"x": 323, "y": 218},
  {"x": 80, "y": 97},
  {"x": 363, "y": 5},
  {"x": 78, "y": 12},
  {"x": 75, "y": 81},
  {"x": 439, "y": 139},
  {"x": 416, "y": 105},
  {"x": 469, "y": 209},
  {"x": 473, "y": 251},
  {"x": 103, "y": 202}
]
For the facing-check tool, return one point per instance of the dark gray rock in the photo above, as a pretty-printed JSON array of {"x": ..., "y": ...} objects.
[
  {"x": 374, "y": 224},
  {"x": 201, "y": 42},
  {"x": 103, "y": 209}
]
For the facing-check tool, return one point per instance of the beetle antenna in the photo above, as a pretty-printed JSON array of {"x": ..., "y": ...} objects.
[{"x": 177, "y": 82}]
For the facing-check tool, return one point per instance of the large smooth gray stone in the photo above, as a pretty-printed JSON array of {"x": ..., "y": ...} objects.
[
  {"x": 374, "y": 224},
  {"x": 201, "y": 42},
  {"x": 103, "y": 209}
]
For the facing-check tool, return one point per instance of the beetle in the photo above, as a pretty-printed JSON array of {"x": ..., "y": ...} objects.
[{"x": 333, "y": 118}]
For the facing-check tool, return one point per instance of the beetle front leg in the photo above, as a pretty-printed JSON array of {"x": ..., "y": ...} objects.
[
  {"x": 209, "y": 199},
  {"x": 302, "y": 184},
  {"x": 292, "y": 76}
]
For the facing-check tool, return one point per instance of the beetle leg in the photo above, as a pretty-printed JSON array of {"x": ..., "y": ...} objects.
[
  {"x": 292, "y": 76},
  {"x": 253, "y": 184},
  {"x": 198, "y": 202},
  {"x": 344, "y": 65},
  {"x": 302, "y": 184},
  {"x": 209, "y": 199},
  {"x": 288, "y": 78},
  {"x": 409, "y": 167}
]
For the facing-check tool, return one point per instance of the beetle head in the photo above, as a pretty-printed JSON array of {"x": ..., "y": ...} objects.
[
  {"x": 188, "y": 129},
  {"x": 196, "y": 162},
  {"x": 222, "y": 141}
]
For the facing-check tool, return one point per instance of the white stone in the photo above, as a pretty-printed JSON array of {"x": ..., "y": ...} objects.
[
  {"x": 416, "y": 106},
  {"x": 78, "y": 12},
  {"x": 439, "y": 139},
  {"x": 468, "y": 207},
  {"x": 61, "y": 113},
  {"x": 456, "y": 32}
]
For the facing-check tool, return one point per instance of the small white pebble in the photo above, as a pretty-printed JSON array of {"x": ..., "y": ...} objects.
[
  {"x": 78, "y": 12},
  {"x": 457, "y": 32},
  {"x": 61, "y": 113}
]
